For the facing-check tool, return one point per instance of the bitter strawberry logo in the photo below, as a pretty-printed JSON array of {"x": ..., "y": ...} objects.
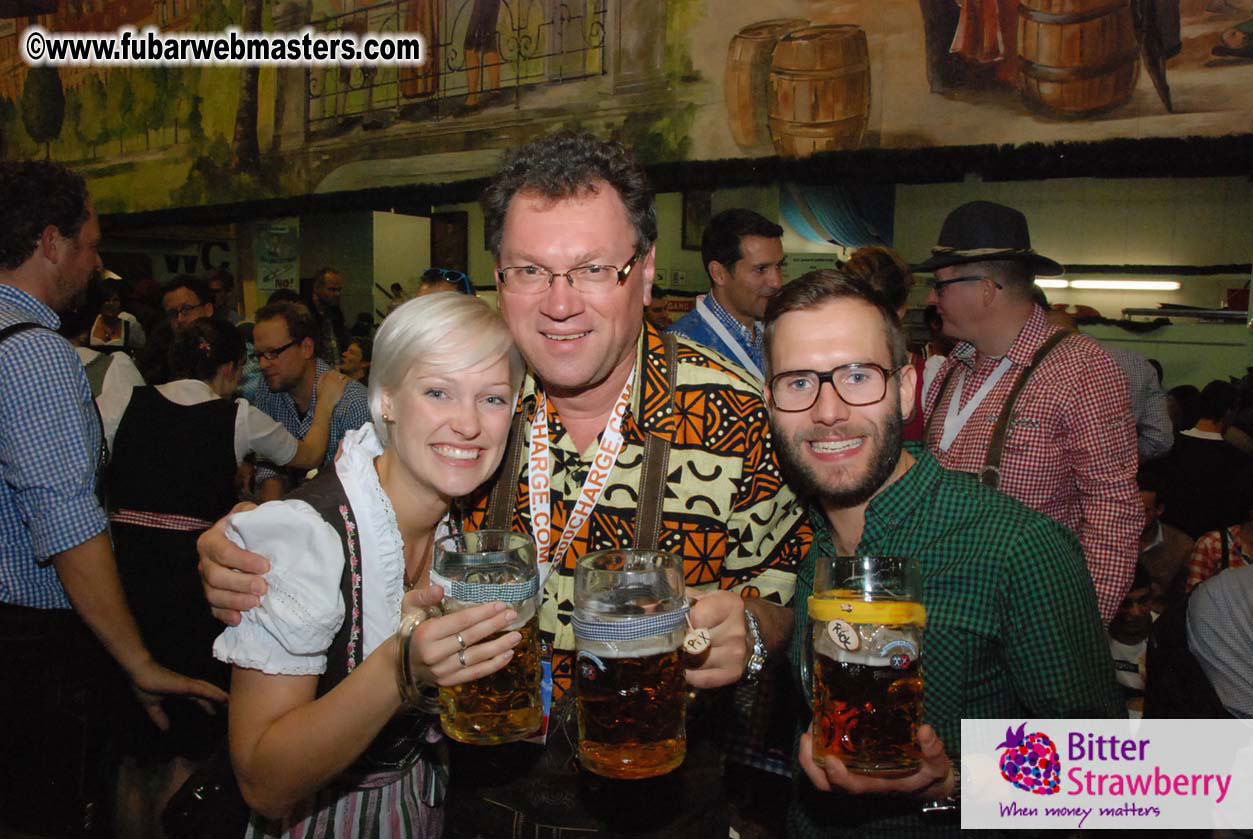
[{"x": 1030, "y": 761}]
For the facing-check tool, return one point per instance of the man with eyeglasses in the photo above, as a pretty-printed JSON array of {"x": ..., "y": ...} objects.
[
  {"x": 743, "y": 255},
  {"x": 613, "y": 421},
  {"x": 838, "y": 390},
  {"x": 185, "y": 300},
  {"x": 284, "y": 340},
  {"x": 1040, "y": 415}
]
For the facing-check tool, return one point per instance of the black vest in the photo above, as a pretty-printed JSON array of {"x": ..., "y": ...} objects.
[
  {"x": 171, "y": 458},
  {"x": 400, "y": 743}
]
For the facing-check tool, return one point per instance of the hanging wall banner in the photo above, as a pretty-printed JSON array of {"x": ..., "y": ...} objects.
[{"x": 278, "y": 255}]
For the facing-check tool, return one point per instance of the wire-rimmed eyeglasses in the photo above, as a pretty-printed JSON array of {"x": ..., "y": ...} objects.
[{"x": 533, "y": 279}]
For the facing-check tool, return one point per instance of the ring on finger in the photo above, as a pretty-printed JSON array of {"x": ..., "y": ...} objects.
[
  {"x": 461, "y": 643},
  {"x": 461, "y": 656}
]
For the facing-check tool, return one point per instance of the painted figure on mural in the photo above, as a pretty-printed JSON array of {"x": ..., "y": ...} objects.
[
  {"x": 352, "y": 17},
  {"x": 482, "y": 46},
  {"x": 422, "y": 16}
]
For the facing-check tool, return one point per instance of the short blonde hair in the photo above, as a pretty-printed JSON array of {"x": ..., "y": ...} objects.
[{"x": 441, "y": 333}]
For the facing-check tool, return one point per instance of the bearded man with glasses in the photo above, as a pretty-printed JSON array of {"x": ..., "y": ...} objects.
[{"x": 839, "y": 387}]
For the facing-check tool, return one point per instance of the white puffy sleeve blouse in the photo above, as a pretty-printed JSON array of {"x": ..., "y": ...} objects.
[{"x": 290, "y": 632}]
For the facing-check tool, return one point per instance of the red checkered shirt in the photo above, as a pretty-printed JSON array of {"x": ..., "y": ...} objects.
[
  {"x": 1207, "y": 555},
  {"x": 1070, "y": 449}
]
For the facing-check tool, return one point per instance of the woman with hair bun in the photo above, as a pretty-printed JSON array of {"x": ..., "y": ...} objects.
[
  {"x": 886, "y": 272},
  {"x": 175, "y": 451}
]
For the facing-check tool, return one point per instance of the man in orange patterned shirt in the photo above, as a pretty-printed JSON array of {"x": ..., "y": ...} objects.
[{"x": 572, "y": 224}]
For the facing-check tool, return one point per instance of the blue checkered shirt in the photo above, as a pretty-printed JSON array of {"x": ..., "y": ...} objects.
[
  {"x": 49, "y": 440},
  {"x": 352, "y": 411},
  {"x": 694, "y": 327}
]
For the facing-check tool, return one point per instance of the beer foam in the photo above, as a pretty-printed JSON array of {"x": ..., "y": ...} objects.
[
  {"x": 654, "y": 645},
  {"x": 525, "y": 610}
]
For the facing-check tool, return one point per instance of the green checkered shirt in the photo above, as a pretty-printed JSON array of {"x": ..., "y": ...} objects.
[{"x": 1012, "y": 625}]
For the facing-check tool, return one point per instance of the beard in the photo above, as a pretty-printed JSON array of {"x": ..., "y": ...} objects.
[{"x": 885, "y": 440}]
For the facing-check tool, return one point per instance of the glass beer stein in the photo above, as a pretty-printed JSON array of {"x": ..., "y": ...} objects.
[
  {"x": 866, "y": 619},
  {"x": 630, "y": 617},
  {"x": 484, "y": 566}
]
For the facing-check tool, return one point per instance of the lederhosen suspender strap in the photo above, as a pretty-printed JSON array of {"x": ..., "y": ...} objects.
[
  {"x": 102, "y": 455},
  {"x": 656, "y": 463},
  {"x": 1226, "y": 557},
  {"x": 990, "y": 473},
  {"x": 504, "y": 492}
]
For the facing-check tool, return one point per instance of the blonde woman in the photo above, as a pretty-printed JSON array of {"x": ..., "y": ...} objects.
[{"x": 320, "y": 739}]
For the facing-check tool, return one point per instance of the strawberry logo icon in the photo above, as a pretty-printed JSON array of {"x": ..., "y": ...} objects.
[{"x": 1030, "y": 761}]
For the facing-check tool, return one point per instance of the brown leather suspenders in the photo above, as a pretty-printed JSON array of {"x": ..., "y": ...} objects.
[
  {"x": 656, "y": 465},
  {"x": 990, "y": 473},
  {"x": 504, "y": 492}
]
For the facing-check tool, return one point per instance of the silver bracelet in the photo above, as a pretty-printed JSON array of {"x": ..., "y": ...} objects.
[
  {"x": 757, "y": 647},
  {"x": 420, "y": 695}
]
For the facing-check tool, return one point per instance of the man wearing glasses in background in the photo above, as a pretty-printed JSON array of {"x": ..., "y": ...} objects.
[
  {"x": 572, "y": 224},
  {"x": 839, "y": 386},
  {"x": 284, "y": 342},
  {"x": 185, "y": 300},
  {"x": 1037, "y": 414}
]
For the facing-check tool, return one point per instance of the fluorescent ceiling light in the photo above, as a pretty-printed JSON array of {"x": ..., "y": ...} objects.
[
  {"x": 1053, "y": 283},
  {"x": 1126, "y": 285}
]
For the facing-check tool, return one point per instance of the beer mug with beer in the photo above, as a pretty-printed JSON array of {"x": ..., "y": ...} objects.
[
  {"x": 866, "y": 619},
  {"x": 630, "y": 617},
  {"x": 484, "y": 566}
]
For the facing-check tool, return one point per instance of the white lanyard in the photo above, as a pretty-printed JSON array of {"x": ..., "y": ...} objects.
[
  {"x": 707, "y": 315},
  {"x": 955, "y": 420},
  {"x": 539, "y": 480}
]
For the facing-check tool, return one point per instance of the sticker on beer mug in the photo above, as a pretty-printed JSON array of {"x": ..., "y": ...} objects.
[
  {"x": 843, "y": 635},
  {"x": 900, "y": 654}
]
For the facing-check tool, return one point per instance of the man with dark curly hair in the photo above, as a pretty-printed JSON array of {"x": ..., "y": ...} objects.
[
  {"x": 654, "y": 442},
  {"x": 58, "y": 576}
]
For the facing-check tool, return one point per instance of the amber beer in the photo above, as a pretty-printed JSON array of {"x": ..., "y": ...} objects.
[
  {"x": 866, "y": 622},
  {"x": 485, "y": 566},
  {"x": 631, "y": 713},
  {"x": 630, "y": 616},
  {"x": 866, "y": 713},
  {"x": 504, "y": 706}
]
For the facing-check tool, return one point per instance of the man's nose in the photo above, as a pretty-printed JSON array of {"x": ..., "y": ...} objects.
[
  {"x": 561, "y": 299},
  {"x": 829, "y": 408}
]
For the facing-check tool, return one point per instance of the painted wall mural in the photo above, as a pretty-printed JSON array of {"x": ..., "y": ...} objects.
[{"x": 677, "y": 80}]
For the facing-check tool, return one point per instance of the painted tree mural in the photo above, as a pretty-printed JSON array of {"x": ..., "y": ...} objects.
[{"x": 43, "y": 106}]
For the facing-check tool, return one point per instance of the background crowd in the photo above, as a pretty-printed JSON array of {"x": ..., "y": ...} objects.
[{"x": 1130, "y": 503}]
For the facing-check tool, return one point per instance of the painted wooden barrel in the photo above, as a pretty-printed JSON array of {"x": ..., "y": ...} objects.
[
  {"x": 747, "y": 77},
  {"x": 819, "y": 90},
  {"x": 1078, "y": 57}
]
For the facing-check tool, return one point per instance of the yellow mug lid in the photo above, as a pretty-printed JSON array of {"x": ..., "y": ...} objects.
[{"x": 855, "y": 610}]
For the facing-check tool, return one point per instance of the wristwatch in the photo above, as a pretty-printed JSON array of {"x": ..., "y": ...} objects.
[
  {"x": 949, "y": 807},
  {"x": 756, "y": 647}
]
